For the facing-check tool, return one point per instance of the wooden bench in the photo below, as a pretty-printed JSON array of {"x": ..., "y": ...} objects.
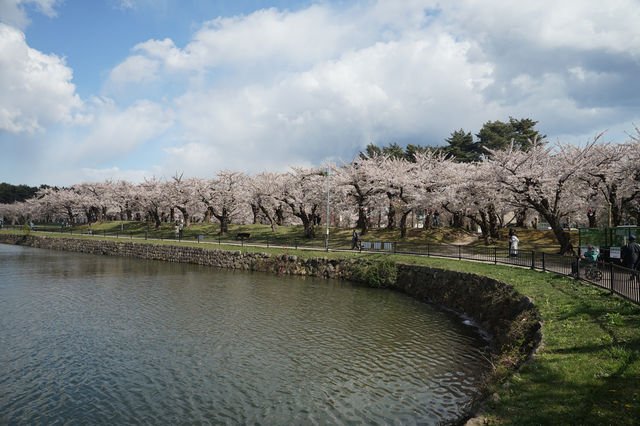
[{"x": 242, "y": 235}]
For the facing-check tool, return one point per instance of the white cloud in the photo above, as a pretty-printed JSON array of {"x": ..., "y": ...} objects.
[
  {"x": 112, "y": 173},
  {"x": 36, "y": 88},
  {"x": 293, "y": 40},
  {"x": 135, "y": 69},
  {"x": 12, "y": 12},
  {"x": 114, "y": 132},
  {"x": 574, "y": 24},
  {"x": 396, "y": 90},
  {"x": 275, "y": 88}
]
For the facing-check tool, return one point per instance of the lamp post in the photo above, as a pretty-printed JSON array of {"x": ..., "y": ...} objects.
[{"x": 326, "y": 241}]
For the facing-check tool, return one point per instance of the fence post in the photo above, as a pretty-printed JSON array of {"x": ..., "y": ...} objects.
[
  {"x": 611, "y": 276},
  {"x": 533, "y": 259},
  {"x": 544, "y": 267},
  {"x": 495, "y": 255},
  {"x": 459, "y": 252},
  {"x": 577, "y": 260}
]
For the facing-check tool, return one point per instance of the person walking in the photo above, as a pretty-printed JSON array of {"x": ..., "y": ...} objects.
[
  {"x": 630, "y": 254},
  {"x": 355, "y": 240},
  {"x": 513, "y": 244},
  {"x": 511, "y": 233}
]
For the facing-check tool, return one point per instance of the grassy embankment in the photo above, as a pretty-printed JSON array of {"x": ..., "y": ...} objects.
[{"x": 587, "y": 369}]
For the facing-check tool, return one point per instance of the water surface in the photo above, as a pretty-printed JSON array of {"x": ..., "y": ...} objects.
[{"x": 105, "y": 340}]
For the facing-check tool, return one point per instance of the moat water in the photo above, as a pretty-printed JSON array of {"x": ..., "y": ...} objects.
[{"x": 103, "y": 340}]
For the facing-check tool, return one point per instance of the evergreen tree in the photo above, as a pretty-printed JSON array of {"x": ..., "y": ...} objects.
[
  {"x": 393, "y": 150},
  {"x": 498, "y": 135},
  {"x": 412, "y": 150},
  {"x": 461, "y": 147},
  {"x": 371, "y": 150},
  {"x": 523, "y": 132},
  {"x": 12, "y": 193}
]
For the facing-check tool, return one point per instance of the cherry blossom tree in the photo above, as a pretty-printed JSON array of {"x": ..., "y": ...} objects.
[
  {"x": 435, "y": 173},
  {"x": 478, "y": 196},
  {"x": 361, "y": 181},
  {"x": 182, "y": 195},
  {"x": 402, "y": 188},
  {"x": 609, "y": 180},
  {"x": 122, "y": 196},
  {"x": 224, "y": 196},
  {"x": 63, "y": 201},
  {"x": 544, "y": 179},
  {"x": 266, "y": 194},
  {"x": 630, "y": 201},
  {"x": 150, "y": 197},
  {"x": 303, "y": 192}
]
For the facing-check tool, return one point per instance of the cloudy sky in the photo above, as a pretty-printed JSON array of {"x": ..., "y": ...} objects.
[{"x": 122, "y": 89}]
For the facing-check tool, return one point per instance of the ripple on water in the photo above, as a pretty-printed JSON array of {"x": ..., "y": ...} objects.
[{"x": 107, "y": 340}]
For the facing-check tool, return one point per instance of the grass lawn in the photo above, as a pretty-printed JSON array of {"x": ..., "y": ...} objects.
[
  {"x": 530, "y": 239},
  {"x": 586, "y": 371}
]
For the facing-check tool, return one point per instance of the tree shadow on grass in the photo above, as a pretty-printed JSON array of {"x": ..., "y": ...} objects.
[{"x": 545, "y": 395}]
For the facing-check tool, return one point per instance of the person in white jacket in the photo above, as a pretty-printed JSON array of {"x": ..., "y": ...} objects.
[{"x": 513, "y": 245}]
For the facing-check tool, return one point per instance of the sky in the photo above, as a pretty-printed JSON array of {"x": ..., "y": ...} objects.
[{"x": 132, "y": 89}]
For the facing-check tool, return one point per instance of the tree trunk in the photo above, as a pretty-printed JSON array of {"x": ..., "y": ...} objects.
[
  {"x": 279, "y": 216},
  {"x": 616, "y": 214},
  {"x": 270, "y": 218},
  {"x": 70, "y": 214},
  {"x": 153, "y": 214},
  {"x": 403, "y": 223},
  {"x": 493, "y": 221},
  {"x": 428, "y": 220},
  {"x": 255, "y": 209},
  {"x": 391, "y": 216},
  {"x": 363, "y": 222},
  {"x": 309, "y": 228},
  {"x": 185, "y": 215},
  {"x": 521, "y": 218},
  {"x": 457, "y": 220},
  {"x": 593, "y": 219}
]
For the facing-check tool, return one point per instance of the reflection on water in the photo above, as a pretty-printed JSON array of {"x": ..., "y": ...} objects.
[{"x": 92, "y": 339}]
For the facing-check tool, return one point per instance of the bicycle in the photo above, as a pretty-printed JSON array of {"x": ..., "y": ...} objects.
[{"x": 592, "y": 272}]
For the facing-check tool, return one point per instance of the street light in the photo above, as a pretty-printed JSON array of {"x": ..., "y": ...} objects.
[{"x": 326, "y": 241}]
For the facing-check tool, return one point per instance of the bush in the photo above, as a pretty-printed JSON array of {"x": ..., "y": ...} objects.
[{"x": 377, "y": 274}]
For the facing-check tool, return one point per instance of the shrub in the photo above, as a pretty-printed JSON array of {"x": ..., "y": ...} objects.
[{"x": 376, "y": 274}]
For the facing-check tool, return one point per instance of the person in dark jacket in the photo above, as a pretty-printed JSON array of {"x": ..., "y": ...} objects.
[
  {"x": 630, "y": 254},
  {"x": 355, "y": 240}
]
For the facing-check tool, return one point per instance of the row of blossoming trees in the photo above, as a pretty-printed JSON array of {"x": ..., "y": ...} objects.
[{"x": 556, "y": 183}]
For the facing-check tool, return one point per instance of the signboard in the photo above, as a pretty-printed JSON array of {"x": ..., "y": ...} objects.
[{"x": 614, "y": 252}]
